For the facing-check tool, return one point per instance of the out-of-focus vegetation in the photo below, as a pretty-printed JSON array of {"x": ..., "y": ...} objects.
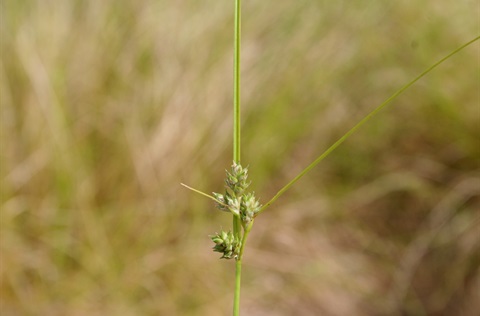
[{"x": 106, "y": 106}]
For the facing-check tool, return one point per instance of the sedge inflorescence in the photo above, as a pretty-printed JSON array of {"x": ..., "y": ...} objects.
[
  {"x": 243, "y": 205},
  {"x": 226, "y": 243}
]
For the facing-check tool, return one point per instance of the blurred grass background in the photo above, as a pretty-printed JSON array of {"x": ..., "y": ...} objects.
[{"x": 106, "y": 106}]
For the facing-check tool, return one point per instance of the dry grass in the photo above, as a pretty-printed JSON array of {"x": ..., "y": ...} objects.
[{"x": 106, "y": 106}]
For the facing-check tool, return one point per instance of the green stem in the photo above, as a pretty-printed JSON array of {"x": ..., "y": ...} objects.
[
  {"x": 237, "y": 227},
  {"x": 236, "y": 84},
  {"x": 238, "y": 271},
  {"x": 359, "y": 124},
  {"x": 238, "y": 281},
  {"x": 244, "y": 239}
]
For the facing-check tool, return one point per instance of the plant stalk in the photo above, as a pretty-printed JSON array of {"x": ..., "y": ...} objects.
[
  {"x": 362, "y": 122},
  {"x": 237, "y": 227},
  {"x": 238, "y": 271},
  {"x": 236, "y": 83},
  {"x": 238, "y": 284}
]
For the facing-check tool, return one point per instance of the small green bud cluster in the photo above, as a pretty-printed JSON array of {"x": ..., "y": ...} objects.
[
  {"x": 237, "y": 179},
  {"x": 249, "y": 206},
  {"x": 241, "y": 204},
  {"x": 227, "y": 244},
  {"x": 235, "y": 200}
]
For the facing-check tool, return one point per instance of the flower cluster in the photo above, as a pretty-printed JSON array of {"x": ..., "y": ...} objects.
[
  {"x": 237, "y": 179},
  {"x": 227, "y": 244},
  {"x": 235, "y": 200},
  {"x": 249, "y": 206},
  {"x": 241, "y": 204}
]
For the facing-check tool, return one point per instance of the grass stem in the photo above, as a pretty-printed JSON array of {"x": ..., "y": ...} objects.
[
  {"x": 363, "y": 121},
  {"x": 236, "y": 143},
  {"x": 236, "y": 84},
  {"x": 238, "y": 284},
  {"x": 238, "y": 272}
]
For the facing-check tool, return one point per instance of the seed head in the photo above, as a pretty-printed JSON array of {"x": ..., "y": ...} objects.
[
  {"x": 236, "y": 179},
  {"x": 227, "y": 244}
]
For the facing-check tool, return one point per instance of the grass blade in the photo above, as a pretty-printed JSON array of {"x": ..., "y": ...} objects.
[{"x": 359, "y": 124}]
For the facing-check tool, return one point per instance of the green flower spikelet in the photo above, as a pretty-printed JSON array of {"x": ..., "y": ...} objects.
[
  {"x": 241, "y": 204},
  {"x": 227, "y": 244}
]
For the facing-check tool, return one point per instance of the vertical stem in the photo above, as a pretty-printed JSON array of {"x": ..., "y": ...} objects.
[
  {"x": 238, "y": 271},
  {"x": 236, "y": 99},
  {"x": 236, "y": 84},
  {"x": 237, "y": 229},
  {"x": 238, "y": 279}
]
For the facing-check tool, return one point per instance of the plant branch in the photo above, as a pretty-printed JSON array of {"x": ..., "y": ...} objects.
[
  {"x": 362, "y": 122},
  {"x": 244, "y": 239}
]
